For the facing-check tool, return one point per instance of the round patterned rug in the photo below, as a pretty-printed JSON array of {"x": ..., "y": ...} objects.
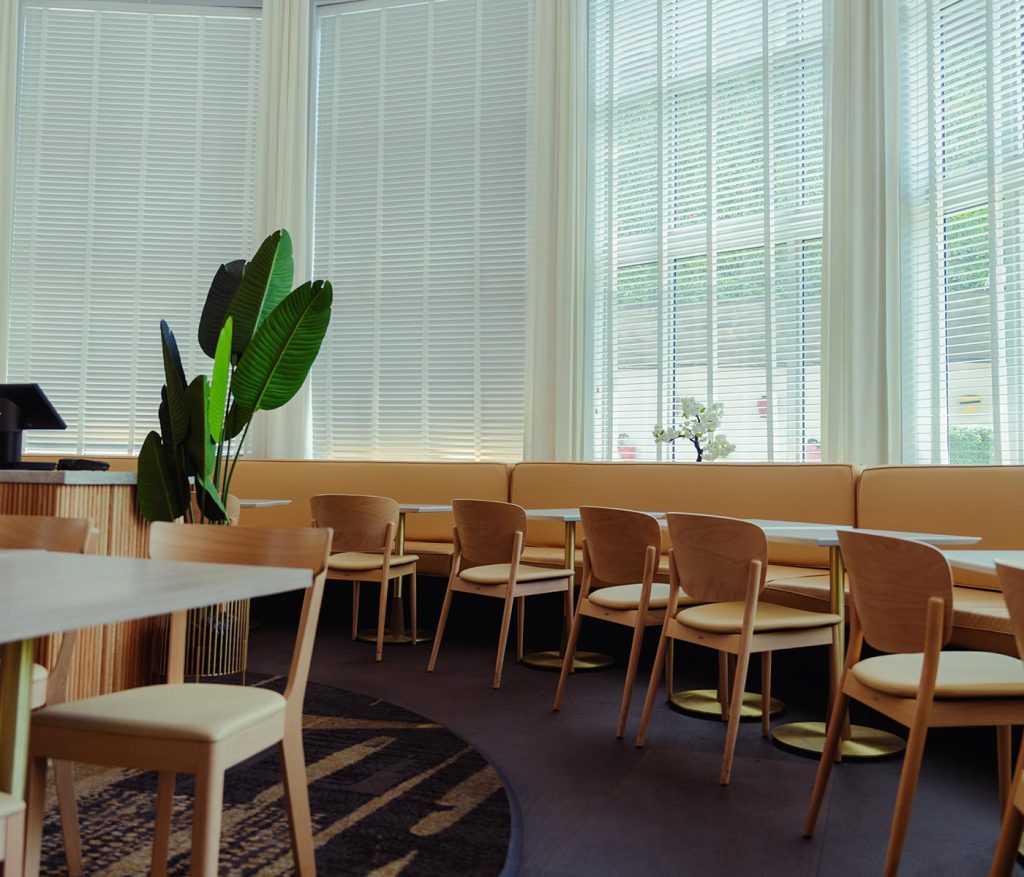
[{"x": 391, "y": 792}]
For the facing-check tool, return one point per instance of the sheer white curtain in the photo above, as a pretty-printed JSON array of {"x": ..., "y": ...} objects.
[
  {"x": 555, "y": 303},
  {"x": 861, "y": 250}
]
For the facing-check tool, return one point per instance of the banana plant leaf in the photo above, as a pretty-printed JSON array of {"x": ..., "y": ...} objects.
[
  {"x": 208, "y": 499},
  {"x": 174, "y": 377},
  {"x": 219, "y": 384},
  {"x": 199, "y": 447},
  {"x": 282, "y": 351},
  {"x": 218, "y": 300},
  {"x": 236, "y": 420},
  {"x": 161, "y": 491}
]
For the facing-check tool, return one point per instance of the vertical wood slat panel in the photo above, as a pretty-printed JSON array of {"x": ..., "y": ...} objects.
[{"x": 115, "y": 656}]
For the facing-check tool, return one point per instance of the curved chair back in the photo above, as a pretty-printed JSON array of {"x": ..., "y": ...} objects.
[
  {"x": 74, "y": 535},
  {"x": 891, "y": 582},
  {"x": 360, "y": 523},
  {"x": 617, "y": 542},
  {"x": 255, "y": 546},
  {"x": 1011, "y": 580},
  {"x": 713, "y": 555},
  {"x": 487, "y": 529}
]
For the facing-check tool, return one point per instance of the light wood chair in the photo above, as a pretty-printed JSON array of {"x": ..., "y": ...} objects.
[
  {"x": 488, "y": 540},
  {"x": 196, "y": 728},
  {"x": 12, "y": 834},
  {"x": 363, "y": 550},
  {"x": 721, "y": 562},
  {"x": 902, "y": 600},
  {"x": 621, "y": 552},
  {"x": 75, "y": 536}
]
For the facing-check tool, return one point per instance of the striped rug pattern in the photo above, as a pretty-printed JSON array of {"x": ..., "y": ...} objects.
[{"x": 391, "y": 793}]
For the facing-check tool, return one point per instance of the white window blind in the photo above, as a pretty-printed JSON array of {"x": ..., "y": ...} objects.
[
  {"x": 420, "y": 222},
  {"x": 963, "y": 230},
  {"x": 706, "y": 196},
  {"x": 134, "y": 181}
]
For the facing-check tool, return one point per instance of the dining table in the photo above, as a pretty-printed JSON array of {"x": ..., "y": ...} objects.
[{"x": 51, "y": 592}]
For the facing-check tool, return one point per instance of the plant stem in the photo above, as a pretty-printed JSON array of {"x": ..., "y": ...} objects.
[{"x": 234, "y": 462}]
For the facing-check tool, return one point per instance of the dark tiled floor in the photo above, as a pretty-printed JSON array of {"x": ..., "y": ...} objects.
[{"x": 593, "y": 805}]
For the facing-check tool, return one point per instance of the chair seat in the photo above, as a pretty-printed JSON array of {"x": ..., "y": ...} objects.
[
  {"x": 9, "y": 805},
  {"x": 195, "y": 711},
  {"x": 444, "y": 549},
  {"x": 728, "y": 618},
  {"x": 360, "y": 561},
  {"x": 777, "y": 571},
  {"x": 961, "y": 675},
  {"x": 498, "y": 573},
  {"x": 628, "y": 596},
  {"x": 979, "y": 609},
  {"x": 40, "y": 676}
]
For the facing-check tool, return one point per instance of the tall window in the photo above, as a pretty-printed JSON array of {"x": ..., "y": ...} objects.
[
  {"x": 963, "y": 211},
  {"x": 420, "y": 222},
  {"x": 706, "y": 195},
  {"x": 134, "y": 181}
]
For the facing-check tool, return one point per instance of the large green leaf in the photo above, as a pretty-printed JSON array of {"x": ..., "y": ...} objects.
[
  {"x": 219, "y": 383},
  {"x": 218, "y": 300},
  {"x": 268, "y": 276},
  {"x": 174, "y": 377},
  {"x": 282, "y": 351},
  {"x": 236, "y": 420},
  {"x": 199, "y": 447},
  {"x": 162, "y": 494},
  {"x": 208, "y": 499}
]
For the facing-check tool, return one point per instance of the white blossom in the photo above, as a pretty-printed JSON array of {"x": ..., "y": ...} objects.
[{"x": 698, "y": 424}]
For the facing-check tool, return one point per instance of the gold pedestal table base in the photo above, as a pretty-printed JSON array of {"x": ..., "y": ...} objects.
[
  {"x": 808, "y": 738},
  {"x": 704, "y": 703},
  {"x": 552, "y": 660}
]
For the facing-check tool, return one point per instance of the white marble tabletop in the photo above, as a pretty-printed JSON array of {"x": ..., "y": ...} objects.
[
  {"x": 262, "y": 503},
  {"x": 408, "y": 508},
  {"x": 984, "y": 559}
]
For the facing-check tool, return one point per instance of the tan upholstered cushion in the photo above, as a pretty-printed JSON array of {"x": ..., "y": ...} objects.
[
  {"x": 40, "y": 675},
  {"x": 193, "y": 711},
  {"x": 810, "y": 587},
  {"x": 979, "y": 609},
  {"x": 961, "y": 674},
  {"x": 498, "y": 573},
  {"x": 776, "y": 571},
  {"x": 9, "y": 805},
  {"x": 628, "y": 596},
  {"x": 549, "y": 555},
  {"x": 418, "y": 548},
  {"x": 358, "y": 561},
  {"x": 728, "y": 618}
]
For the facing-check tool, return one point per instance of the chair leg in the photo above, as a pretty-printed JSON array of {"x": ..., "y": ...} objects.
[
  {"x": 1005, "y": 762},
  {"x": 382, "y": 612},
  {"x": 506, "y": 622},
  {"x": 1009, "y": 834},
  {"x": 736, "y": 705},
  {"x": 766, "y": 693},
  {"x": 723, "y": 684},
  {"x": 908, "y": 786},
  {"x": 441, "y": 622},
  {"x": 14, "y": 845},
  {"x": 35, "y": 806},
  {"x": 296, "y": 795},
  {"x": 568, "y": 659},
  {"x": 355, "y": 610},
  {"x": 520, "y": 623},
  {"x": 162, "y": 829},
  {"x": 568, "y": 614},
  {"x": 627, "y": 690},
  {"x": 828, "y": 756},
  {"x": 670, "y": 662},
  {"x": 652, "y": 688},
  {"x": 206, "y": 821},
  {"x": 67, "y": 805},
  {"x": 412, "y": 605}
]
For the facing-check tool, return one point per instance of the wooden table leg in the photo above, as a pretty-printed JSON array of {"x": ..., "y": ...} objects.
[{"x": 15, "y": 710}]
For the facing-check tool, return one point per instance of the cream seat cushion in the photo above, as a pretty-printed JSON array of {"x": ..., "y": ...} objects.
[
  {"x": 193, "y": 711},
  {"x": 978, "y": 609},
  {"x": 961, "y": 674},
  {"x": 549, "y": 555},
  {"x": 40, "y": 675},
  {"x": 813, "y": 587},
  {"x": 446, "y": 549},
  {"x": 628, "y": 596},
  {"x": 776, "y": 571},
  {"x": 359, "y": 561},
  {"x": 728, "y": 618},
  {"x": 9, "y": 805},
  {"x": 498, "y": 573}
]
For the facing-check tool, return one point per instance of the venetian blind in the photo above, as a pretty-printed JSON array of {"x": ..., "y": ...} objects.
[
  {"x": 706, "y": 202},
  {"x": 134, "y": 181},
  {"x": 963, "y": 218},
  {"x": 420, "y": 221}
]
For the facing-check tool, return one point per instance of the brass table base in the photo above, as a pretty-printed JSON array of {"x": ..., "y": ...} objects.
[
  {"x": 552, "y": 660},
  {"x": 808, "y": 738},
  {"x": 703, "y": 702},
  {"x": 369, "y": 635}
]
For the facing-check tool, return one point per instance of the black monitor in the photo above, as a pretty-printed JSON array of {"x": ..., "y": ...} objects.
[{"x": 23, "y": 406}]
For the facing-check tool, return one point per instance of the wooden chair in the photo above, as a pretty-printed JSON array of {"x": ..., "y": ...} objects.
[
  {"x": 902, "y": 598},
  {"x": 196, "y": 728},
  {"x": 488, "y": 539},
  {"x": 721, "y": 562},
  {"x": 76, "y": 536},
  {"x": 364, "y": 536},
  {"x": 621, "y": 551},
  {"x": 12, "y": 834}
]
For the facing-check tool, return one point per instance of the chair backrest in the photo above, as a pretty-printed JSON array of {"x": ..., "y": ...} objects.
[
  {"x": 1011, "y": 580},
  {"x": 290, "y": 547},
  {"x": 713, "y": 556},
  {"x": 359, "y": 522},
  {"x": 617, "y": 542},
  {"x": 74, "y": 535},
  {"x": 487, "y": 529},
  {"x": 891, "y": 582}
]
